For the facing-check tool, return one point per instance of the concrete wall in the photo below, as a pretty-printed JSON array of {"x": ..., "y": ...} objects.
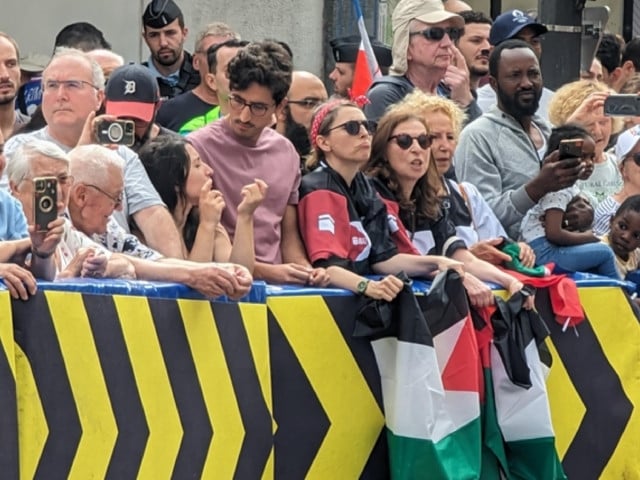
[{"x": 297, "y": 22}]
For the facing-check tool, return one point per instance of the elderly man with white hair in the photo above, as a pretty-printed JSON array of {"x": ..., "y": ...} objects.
[
  {"x": 97, "y": 192},
  {"x": 424, "y": 57},
  {"x": 62, "y": 250},
  {"x": 73, "y": 90}
]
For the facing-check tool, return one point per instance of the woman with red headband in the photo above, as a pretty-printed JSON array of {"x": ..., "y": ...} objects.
[{"x": 342, "y": 220}]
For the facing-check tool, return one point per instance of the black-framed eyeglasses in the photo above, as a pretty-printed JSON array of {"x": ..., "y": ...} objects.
[
  {"x": 352, "y": 127},
  {"x": 258, "y": 109},
  {"x": 116, "y": 200},
  {"x": 69, "y": 85},
  {"x": 307, "y": 103},
  {"x": 404, "y": 140},
  {"x": 437, "y": 33}
]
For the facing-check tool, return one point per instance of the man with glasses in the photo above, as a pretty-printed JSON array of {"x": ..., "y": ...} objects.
[
  {"x": 241, "y": 147},
  {"x": 175, "y": 113},
  {"x": 509, "y": 25},
  {"x": 73, "y": 89},
  {"x": 61, "y": 250},
  {"x": 294, "y": 122},
  {"x": 97, "y": 192},
  {"x": 424, "y": 57}
]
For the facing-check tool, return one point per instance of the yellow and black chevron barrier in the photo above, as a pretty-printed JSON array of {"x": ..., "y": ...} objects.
[{"x": 99, "y": 386}]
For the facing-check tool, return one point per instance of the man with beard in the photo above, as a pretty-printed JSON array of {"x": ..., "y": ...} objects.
[
  {"x": 132, "y": 94},
  {"x": 164, "y": 33},
  {"x": 474, "y": 46},
  {"x": 242, "y": 146},
  {"x": 515, "y": 24},
  {"x": 294, "y": 122},
  {"x": 9, "y": 85},
  {"x": 501, "y": 152}
]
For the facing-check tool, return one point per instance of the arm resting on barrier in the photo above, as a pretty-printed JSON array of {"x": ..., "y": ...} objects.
[{"x": 210, "y": 279}]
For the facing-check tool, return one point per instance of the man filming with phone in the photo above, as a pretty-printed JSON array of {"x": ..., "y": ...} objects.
[
  {"x": 39, "y": 179},
  {"x": 502, "y": 152},
  {"x": 73, "y": 90}
]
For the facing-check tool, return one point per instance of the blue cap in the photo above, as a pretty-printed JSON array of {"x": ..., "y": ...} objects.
[{"x": 508, "y": 24}]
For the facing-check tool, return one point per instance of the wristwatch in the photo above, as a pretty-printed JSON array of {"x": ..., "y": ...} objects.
[{"x": 362, "y": 286}]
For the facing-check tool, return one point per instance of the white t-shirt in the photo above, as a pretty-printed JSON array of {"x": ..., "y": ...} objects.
[
  {"x": 532, "y": 226},
  {"x": 604, "y": 181}
]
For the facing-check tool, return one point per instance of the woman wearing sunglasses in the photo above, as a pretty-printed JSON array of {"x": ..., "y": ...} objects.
[
  {"x": 342, "y": 221},
  {"x": 472, "y": 216},
  {"x": 407, "y": 179},
  {"x": 627, "y": 151}
]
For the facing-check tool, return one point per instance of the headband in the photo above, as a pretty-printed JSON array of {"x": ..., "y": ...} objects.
[{"x": 360, "y": 101}]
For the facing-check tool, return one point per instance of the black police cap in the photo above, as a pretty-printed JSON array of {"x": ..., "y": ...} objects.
[
  {"x": 160, "y": 13},
  {"x": 345, "y": 49}
]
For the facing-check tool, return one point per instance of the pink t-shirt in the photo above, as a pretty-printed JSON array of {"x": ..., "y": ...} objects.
[{"x": 235, "y": 164}]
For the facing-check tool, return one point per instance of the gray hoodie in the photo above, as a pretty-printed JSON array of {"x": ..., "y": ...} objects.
[{"x": 496, "y": 155}]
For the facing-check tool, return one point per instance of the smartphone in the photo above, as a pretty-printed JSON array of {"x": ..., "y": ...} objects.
[
  {"x": 571, "y": 148},
  {"x": 625, "y": 105},
  {"x": 119, "y": 132},
  {"x": 45, "y": 201}
]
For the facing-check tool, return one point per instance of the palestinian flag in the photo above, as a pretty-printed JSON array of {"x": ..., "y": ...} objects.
[
  {"x": 430, "y": 385},
  {"x": 521, "y": 401},
  {"x": 494, "y": 457}
]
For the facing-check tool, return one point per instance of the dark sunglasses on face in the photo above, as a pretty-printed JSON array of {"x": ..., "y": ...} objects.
[
  {"x": 405, "y": 140},
  {"x": 635, "y": 157},
  {"x": 352, "y": 127},
  {"x": 437, "y": 33}
]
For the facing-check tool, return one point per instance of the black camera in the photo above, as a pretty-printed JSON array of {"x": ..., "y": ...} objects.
[{"x": 119, "y": 132}]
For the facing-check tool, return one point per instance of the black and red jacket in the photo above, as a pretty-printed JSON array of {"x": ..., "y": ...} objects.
[{"x": 343, "y": 225}]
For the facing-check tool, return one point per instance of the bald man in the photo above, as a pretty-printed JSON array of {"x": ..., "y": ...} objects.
[
  {"x": 305, "y": 93},
  {"x": 456, "y": 6},
  {"x": 107, "y": 59}
]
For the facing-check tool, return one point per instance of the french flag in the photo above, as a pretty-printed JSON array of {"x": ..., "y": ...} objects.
[{"x": 366, "y": 68}]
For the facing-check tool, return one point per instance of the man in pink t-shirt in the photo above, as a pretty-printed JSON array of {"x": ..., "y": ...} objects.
[{"x": 241, "y": 147}]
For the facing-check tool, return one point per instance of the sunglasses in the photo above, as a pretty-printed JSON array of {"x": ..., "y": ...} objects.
[
  {"x": 437, "y": 33},
  {"x": 352, "y": 127},
  {"x": 635, "y": 157},
  {"x": 404, "y": 140}
]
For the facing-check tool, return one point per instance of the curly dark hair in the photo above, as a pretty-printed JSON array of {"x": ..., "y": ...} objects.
[
  {"x": 424, "y": 200},
  {"x": 266, "y": 63}
]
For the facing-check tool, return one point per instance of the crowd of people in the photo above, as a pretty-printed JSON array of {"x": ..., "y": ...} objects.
[{"x": 240, "y": 167}]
